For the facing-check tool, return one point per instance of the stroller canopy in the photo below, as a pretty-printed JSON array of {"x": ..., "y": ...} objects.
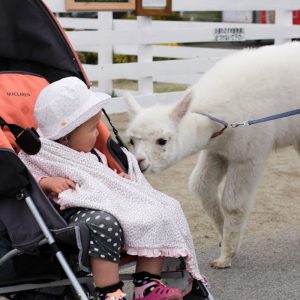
[{"x": 32, "y": 41}]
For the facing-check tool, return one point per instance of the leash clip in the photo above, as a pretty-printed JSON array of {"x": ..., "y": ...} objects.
[{"x": 237, "y": 124}]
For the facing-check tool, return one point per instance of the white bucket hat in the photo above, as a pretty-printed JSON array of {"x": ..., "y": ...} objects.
[{"x": 64, "y": 105}]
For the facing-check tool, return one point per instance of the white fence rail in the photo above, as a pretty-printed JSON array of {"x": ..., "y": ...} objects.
[{"x": 147, "y": 39}]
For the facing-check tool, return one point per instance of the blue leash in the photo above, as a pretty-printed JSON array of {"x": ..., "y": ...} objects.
[
  {"x": 275, "y": 117},
  {"x": 250, "y": 122}
]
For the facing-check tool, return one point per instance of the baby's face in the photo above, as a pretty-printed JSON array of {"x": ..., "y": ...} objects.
[{"x": 84, "y": 137}]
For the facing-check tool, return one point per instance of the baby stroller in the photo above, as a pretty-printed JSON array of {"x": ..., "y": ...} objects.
[{"x": 41, "y": 257}]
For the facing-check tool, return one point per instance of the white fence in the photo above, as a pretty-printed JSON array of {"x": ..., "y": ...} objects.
[{"x": 146, "y": 38}]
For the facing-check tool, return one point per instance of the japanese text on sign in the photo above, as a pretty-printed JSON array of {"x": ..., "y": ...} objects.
[{"x": 229, "y": 34}]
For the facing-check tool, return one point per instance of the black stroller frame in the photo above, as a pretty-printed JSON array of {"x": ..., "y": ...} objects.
[
  {"x": 21, "y": 191},
  {"x": 53, "y": 59}
]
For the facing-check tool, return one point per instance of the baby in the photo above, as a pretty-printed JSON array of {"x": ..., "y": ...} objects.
[{"x": 119, "y": 209}]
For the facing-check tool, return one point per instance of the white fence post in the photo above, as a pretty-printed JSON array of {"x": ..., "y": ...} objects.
[
  {"x": 105, "y": 53},
  {"x": 144, "y": 52},
  {"x": 283, "y": 17}
]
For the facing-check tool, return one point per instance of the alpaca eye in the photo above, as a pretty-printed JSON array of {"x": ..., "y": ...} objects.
[
  {"x": 131, "y": 142},
  {"x": 161, "y": 142}
]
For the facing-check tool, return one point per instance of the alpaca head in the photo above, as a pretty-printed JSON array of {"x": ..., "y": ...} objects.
[{"x": 154, "y": 133}]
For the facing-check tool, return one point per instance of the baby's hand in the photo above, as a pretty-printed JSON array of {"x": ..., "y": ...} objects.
[
  {"x": 123, "y": 174},
  {"x": 56, "y": 184}
]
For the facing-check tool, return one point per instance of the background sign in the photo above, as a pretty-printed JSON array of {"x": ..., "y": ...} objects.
[
  {"x": 153, "y": 7},
  {"x": 98, "y": 5},
  {"x": 159, "y": 4},
  {"x": 229, "y": 34}
]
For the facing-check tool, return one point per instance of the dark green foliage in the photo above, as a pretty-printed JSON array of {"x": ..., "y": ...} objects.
[{"x": 88, "y": 57}]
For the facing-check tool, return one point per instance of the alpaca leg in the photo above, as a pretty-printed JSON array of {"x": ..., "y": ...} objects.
[
  {"x": 297, "y": 148},
  {"x": 205, "y": 180},
  {"x": 236, "y": 203}
]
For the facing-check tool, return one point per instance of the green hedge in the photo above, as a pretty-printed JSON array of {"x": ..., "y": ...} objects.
[{"x": 92, "y": 58}]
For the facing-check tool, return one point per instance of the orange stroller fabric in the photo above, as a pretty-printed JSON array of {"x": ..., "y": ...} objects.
[
  {"x": 4, "y": 143},
  {"x": 18, "y": 95}
]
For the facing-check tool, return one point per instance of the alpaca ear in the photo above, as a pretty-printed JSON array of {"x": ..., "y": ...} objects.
[
  {"x": 133, "y": 106},
  {"x": 181, "y": 108}
]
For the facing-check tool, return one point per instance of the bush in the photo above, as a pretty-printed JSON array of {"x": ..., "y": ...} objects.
[
  {"x": 88, "y": 57},
  {"x": 121, "y": 58},
  {"x": 92, "y": 58}
]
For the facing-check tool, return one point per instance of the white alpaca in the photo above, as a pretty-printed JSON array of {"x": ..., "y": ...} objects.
[{"x": 249, "y": 85}]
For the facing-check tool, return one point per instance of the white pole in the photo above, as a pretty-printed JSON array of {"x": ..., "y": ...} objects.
[
  {"x": 105, "y": 53},
  {"x": 145, "y": 84},
  {"x": 283, "y": 17},
  {"x": 63, "y": 262}
]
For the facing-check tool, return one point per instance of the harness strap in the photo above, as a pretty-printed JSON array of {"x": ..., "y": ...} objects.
[
  {"x": 15, "y": 129},
  {"x": 224, "y": 123},
  {"x": 250, "y": 122},
  {"x": 215, "y": 134},
  {"x": 26, "y": 138},
  {"x": 214, "y": 119},
  {"x": 116, "y": 133}
]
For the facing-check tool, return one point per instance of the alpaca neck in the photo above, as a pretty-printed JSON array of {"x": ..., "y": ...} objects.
[{"x": 194, "y": 134}]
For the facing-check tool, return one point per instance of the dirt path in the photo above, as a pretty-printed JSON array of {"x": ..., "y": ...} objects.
[{"x": 268, "y": 265}]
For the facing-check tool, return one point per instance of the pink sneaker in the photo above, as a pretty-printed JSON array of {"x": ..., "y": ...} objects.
[
  {"x": 156, "y": 290},
  {"x": 117, "y": 295}
]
